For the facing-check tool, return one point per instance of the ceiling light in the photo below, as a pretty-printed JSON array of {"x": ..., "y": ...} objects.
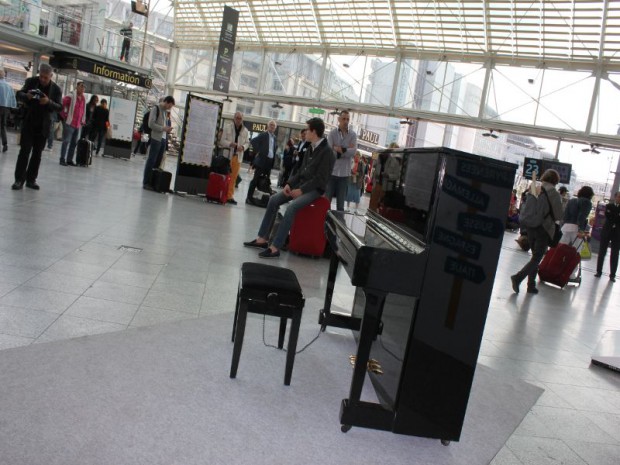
[
  {"x": 276, "y": 105},
  {"x": 406, "y": 121},
  {"x": 335, "y": 112},
  {"x": 592, "y": 149},
  {"x": 227, "y": 99},
  {"x": 490, "y": 134}
]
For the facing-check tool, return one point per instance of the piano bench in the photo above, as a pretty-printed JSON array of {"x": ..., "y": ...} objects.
[{"x": 268, "y": 290}]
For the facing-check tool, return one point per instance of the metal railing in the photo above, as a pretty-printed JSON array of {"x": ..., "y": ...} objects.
[{"x": 82, "y": 27}]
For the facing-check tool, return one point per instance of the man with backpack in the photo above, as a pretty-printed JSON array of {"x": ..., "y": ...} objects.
[
  {"x": 145, "y": 133},
  {"x": 159, "y": 130}
]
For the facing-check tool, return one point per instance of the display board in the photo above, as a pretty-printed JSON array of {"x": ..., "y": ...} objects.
[
  {"x": 198, "y": 144},
  {"x": 531, "y": 165},
  {"x": 122, "y": 117}
]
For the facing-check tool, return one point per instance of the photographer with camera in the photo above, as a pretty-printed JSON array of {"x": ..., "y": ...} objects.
[{"x": 41, "y": 97}]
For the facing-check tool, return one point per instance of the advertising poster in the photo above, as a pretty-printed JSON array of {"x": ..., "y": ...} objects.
[
  {"x": 200, "y": 131},
  {"x": 122, "y": 117}
]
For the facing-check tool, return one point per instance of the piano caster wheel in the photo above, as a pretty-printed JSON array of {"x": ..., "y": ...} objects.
[
  {"x": 445, "y": 442},
  {"x": 345, "y": 428}
]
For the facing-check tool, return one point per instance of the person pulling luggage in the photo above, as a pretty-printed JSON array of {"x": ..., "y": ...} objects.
[{"x": 542, "y": 206}]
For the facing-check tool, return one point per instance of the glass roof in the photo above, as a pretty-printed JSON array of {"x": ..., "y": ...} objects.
[{"x": 568, "y": 34}]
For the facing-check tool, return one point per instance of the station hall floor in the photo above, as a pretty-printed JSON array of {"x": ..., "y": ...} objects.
[{"x": 64, "y": 273}]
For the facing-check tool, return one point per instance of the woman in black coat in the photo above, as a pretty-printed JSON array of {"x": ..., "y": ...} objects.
[
  {"x": 90, "y": 111},
  {"x": 100, "y": 123}
]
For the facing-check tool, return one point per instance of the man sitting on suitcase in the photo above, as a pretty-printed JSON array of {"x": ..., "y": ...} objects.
[{"x": 302, "y": 189}]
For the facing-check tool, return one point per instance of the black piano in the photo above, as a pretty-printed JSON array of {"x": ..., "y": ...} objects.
[{"x": 422, "y": 289}]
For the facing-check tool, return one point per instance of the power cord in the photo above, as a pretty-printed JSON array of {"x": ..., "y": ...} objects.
[{"x": 275, "y": 347}]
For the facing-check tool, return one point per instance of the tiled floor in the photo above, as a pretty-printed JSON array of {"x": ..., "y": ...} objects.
[{"x": 63, "y": 275}]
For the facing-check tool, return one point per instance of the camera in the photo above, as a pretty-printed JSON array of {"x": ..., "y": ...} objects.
[{"x": 36, "y": 94}]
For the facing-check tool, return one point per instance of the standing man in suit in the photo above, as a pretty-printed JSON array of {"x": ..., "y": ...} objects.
[
  {"x": 300, "y": 151},
  {"x": 236, "y": 139},
  {"x": 610, "y": 235},
  {"x": 41, "y": 97},
  {"x": 343, "y": 141},
  {"x": 265, "y": 148},
  {"x": 7, "y": 101}
]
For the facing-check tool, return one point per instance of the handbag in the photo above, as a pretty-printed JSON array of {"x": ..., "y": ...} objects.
[
  {"x": 585, "y": 252},
  {"x": 108, "y": 133},
  {"x": 557, "y": 234}
]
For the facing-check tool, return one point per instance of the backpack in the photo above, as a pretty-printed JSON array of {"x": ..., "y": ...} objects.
[
  {"x": 145, "y": 121},
  {"x": 533, "y": 212}
]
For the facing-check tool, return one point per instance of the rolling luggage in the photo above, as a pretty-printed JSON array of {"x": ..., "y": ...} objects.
[
  {"x": 217, "y": 187},
  {"x": 307, "y": 235},
  {"x": 84, "y": 153},
  {"x": 263, "y": 192},
  {"x": 558, "y": 264},
  {"x": 160, "y": 180}
]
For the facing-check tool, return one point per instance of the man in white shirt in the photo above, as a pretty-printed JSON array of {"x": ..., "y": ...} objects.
[{"x": 343, "y": 141}]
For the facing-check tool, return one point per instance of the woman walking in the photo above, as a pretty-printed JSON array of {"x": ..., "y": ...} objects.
[
  {"x": 549, "y": 208},
  {"x": 101, "y": 121}
]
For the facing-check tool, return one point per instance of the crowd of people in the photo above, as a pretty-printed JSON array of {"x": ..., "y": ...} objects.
[{"x": 318, "y": 163}]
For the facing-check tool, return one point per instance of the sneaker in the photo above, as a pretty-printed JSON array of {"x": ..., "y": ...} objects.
[
  {"x": 249, "y": 201},
  {"x": 255, "y": 244},
  {"x": 70, "y": 163},
  {"x": 515, "y": 284},
  {"x": 32, "y": 185},
  {"x": 532, "y": 290},
  {"x": 17, "y": 185},
  {"x": 612, "y": 279},
  {"x": 63, "y": 163},
  {"x": 598, "y": 274},
  {"x": 232, "y": 201},
  {"x": 267, "y": 253}
]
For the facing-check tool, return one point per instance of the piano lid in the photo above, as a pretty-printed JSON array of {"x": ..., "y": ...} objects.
[{"x": 373, "y": 230}]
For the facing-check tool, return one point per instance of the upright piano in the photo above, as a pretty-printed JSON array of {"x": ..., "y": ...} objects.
[{"x": 422, "y": 290}]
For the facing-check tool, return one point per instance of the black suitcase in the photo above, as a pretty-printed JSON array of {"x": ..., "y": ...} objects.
[
  {"x": 84, "y": 152},
  {"x": 160, "y": 180}
]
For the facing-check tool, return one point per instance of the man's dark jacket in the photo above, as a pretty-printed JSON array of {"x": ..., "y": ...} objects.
[
  {"x": 37, "y": 118},
  {"x": 261, "y": 149}
]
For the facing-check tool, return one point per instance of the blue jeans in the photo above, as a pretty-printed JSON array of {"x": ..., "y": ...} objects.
[
  {"x": 156, "y": 152},
  {"x": 285, "y": 225},
  {"x": 337, "y": 185},
  {"x": 69, "y": 138}
]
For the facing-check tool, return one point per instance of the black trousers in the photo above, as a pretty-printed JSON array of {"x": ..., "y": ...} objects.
[
  {"x": 609, "y": 237},
  {"x": 258, "y": 172},
  {"x": 125, "y": 49},
  {"x": 539, "y": 241},
  {"x": 27, "y": 167}
]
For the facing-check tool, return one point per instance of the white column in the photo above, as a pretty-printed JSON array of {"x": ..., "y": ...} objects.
[{"x": 32, "y": 16}]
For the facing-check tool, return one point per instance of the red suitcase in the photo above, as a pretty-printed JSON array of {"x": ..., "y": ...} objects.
[
  {"x": 558, "y": 264},
  {"x": 217, "y": 187},
  {"x": 307, "y": 233}
]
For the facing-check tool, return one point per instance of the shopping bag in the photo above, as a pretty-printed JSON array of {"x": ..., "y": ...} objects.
[
  {"x": 585, "y": 252},
  {"x": 108, "y": 133}
]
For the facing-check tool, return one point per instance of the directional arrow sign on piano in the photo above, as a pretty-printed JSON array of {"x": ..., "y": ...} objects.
[
  {"x": 469, "y": 195},
  {"x": 479, "y": 224},
  {"x": 456, "y": 242},
  {"x": 464, "y": 270}
]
